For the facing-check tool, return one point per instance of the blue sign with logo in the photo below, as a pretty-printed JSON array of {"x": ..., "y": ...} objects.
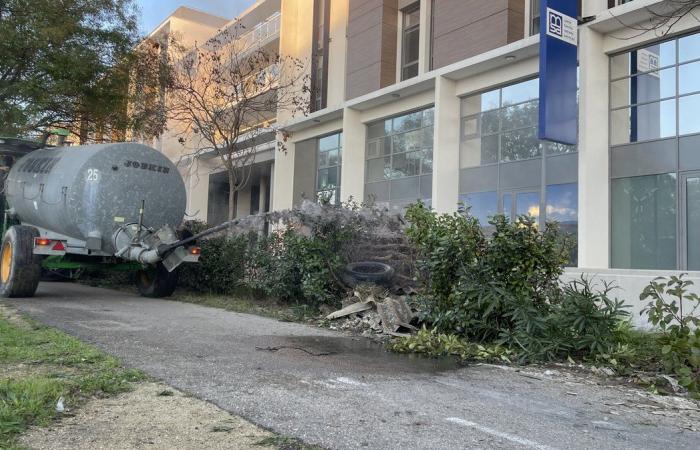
[{"x": 558, "y": 67}]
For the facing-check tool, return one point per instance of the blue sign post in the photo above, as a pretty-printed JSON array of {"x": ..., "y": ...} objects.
[{"x": 558, "y": 67}]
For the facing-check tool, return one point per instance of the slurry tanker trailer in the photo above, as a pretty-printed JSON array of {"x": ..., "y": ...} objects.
[{"x": 112, "y": 205}]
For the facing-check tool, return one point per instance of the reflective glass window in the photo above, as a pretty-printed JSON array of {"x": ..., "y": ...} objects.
[
  {"x": 481, "y": 205},
  {"x": 644, "y": 122},
  {"x": 328, "y": 162},
  {"x": 404, "y": 152},
  {"x": 689, "y": 113},
  {"x": 689, "y": 78},
  {"x": 693, "y": 222},
  {"x": 689, "y": 48},
  {"x": 644, "y": 222}
]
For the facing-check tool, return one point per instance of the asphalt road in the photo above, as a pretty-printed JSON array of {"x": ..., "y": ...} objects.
[{"x": 345, "y": 393}]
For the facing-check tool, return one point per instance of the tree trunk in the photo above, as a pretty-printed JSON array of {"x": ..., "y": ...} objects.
[{"x": 232, "y": 188}]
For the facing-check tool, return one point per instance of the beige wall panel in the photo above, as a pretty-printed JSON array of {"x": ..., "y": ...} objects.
[
  {"x": 397, "y": 107},
  {"x": 475, "y": 38},
  {"x": 509, "y": 74},
  {"x": 464, "y": 28},
  {"x": 364, "y": 50},
  {"x": 371, "y": 43},
  {"x": 337, "y": 58},
  {"x": 364, "y": 80}
]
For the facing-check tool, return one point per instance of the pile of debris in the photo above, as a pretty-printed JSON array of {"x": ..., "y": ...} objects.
[{"x": 374, "y": 315}]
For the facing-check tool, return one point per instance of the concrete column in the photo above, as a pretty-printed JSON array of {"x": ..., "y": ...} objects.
[
  {"x": 424, "y": 36},
  {"x": 263, "y": 194},
  {"x": 352, "y": 173},
  {"x": 272, "y": 185},
  {"x": 593, "y": 171},
  {"x": 283, "y": 180},
  {"x": 244, "y": 200},
  {"x": 446, "y": 147}
]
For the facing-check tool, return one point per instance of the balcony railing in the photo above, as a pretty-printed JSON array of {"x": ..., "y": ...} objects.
[{"x": 262, "y": 31}]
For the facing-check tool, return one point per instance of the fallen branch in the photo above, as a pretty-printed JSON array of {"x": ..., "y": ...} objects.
[{"x": 276, "y": 349}]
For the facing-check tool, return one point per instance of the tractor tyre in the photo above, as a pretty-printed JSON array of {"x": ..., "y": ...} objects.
[
  {"x": 20, "y": 268},
  {"x": 156, "y": 281}
]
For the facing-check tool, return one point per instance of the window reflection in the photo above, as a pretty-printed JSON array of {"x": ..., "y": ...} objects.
[
  {"x": 644, "y": 222},
  {"x": 399, "y": 157},
  {"x": 689, "y": 111},
  {"x": 328, "y": 162},
  {"x": 482, "y": 205},
  {"x": 693, "y": 222},
  {"x": 501, "y": 125}
]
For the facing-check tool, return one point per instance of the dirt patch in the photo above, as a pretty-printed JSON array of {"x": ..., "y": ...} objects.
[
  {"x": 153, "y": 416},
  {"x": 22, "y": 371},
  {"x": 13, "y": 317}
]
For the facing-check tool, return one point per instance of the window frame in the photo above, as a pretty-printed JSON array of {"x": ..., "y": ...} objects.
[
  {"x": 391, "y": 154},
  {"x": 674, "y": 141},
  {"x": 546, "y": 153},
  {"x": 405, "y": 31},
  {"x": 338, "y": 166}
]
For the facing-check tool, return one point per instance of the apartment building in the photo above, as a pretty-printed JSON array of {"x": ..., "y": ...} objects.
[
  {"x": 437, "y": 100},
  {"x": 256, "y": 29}
]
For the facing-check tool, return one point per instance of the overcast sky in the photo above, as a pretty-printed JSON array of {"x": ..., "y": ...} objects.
[{"x": 153, "y": 12}]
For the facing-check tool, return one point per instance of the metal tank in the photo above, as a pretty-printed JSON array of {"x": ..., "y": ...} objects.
[{"x": 90, "y": 193}]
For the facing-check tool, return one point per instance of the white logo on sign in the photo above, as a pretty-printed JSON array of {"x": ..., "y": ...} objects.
[
  {"x": 648, "y": 61},
  {"x": 562, "y": 27}
]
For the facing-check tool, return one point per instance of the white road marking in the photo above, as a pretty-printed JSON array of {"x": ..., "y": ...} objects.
[
  {"x": 351, "y": 382},
  {"x": 507, "y": 436}
]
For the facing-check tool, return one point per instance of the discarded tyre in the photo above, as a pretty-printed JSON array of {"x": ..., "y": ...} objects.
[
  {"x": 368, "y": 272},
  {"x": 20, "y": 269}
]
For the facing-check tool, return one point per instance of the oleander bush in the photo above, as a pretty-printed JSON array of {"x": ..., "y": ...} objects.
[{"x": 505, "y": 288}]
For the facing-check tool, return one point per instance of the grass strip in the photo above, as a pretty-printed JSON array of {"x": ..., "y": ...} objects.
[{"x": 41, "y": 365}]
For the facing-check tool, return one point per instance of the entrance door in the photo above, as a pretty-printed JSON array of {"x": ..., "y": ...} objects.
[{"x": 690, "y": 187}]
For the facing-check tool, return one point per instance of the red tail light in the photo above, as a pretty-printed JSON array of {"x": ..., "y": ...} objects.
[
  {"x": 195, "y": 251},
  {"x": 42, "y": 241}
]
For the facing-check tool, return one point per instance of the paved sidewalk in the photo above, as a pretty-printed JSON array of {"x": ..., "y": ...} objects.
[{"x": 346, "y": 393}]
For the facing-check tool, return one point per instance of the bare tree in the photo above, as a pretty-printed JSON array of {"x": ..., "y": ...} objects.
[
  {"x": 223, "y": 98},
  {"x": 664, "y": 16}
]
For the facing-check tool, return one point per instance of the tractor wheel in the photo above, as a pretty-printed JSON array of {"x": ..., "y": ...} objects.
[
  {"x": 20, "y": 269},
  {"x": 156, "y": 282}
]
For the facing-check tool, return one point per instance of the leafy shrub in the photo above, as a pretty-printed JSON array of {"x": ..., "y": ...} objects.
[
  {"x": 505, "y": 288},
  {"x": 290, "y": 266},
  {"x": 680, "y": 343},
  {"x": 302, "y": 262},
  {"x": 221, "y": 267},
  {"x": 435, "y": 344},
  {"x": 584, "y": 322}
]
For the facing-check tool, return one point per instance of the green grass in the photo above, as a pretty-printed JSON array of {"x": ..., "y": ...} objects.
[{"x": 39, "y": 365}]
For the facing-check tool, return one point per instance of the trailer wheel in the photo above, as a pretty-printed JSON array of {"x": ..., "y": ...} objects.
[
  {"x": 20, "y": 269},
  {"x": 156, "y": 282}
]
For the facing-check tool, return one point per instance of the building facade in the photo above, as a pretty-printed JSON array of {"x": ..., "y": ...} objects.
[{"x": 437, "y": 100}]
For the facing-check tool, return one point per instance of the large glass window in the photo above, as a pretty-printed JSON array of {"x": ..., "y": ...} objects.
[
  {"x": 501, "y": 126},
  {"x": 400, "y": 159},
  {"x": 644, "y": 222},
  {"x": 505, "y": 168},
  {"x": 649, "y": 85},
  {"x": 410, "y": 44},
  {"x": 654, "y": 135},
  {"x": 692, "y": 201},
  {"x": 329, "y": 161}
]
